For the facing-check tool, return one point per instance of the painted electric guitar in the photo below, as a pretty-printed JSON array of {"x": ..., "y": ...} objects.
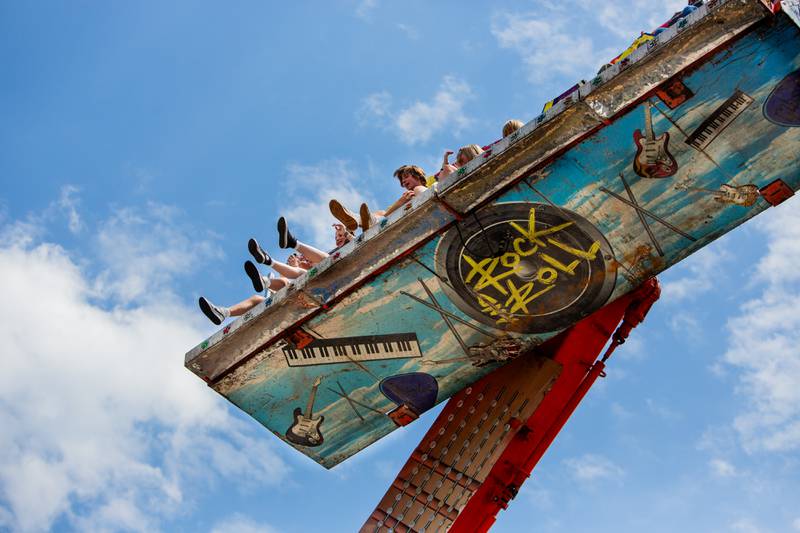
[
  {"x": 744, "y": 195},
  {"x": 653, "y": 159},
  {"x": 305, "y": 430}
]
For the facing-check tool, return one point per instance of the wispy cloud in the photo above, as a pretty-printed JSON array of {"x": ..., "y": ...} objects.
[
  {"x": 546, "y": 46},
  {"x": 364, "y": 9},
  {"x": 562, "y": 38},
  {"x": 764, "y": 345},
  {"x": 746, "y": 525},
  {"x": 419, "y": 121},
  {"x": 696, "y": 275},
  {"x": 239, "y": 523},
  {"x": 143, "y": 249},
  {"x": 309, "y": 188},
  {"x": 592, "y": 467},
  {"x": 103, "y": 428},
  {"x": 721, "y": 467},
  {"x": 68, "y": 203},
  {"x": 409, "y": 31}
]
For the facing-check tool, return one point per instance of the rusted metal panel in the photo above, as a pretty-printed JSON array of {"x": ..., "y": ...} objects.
[
  {"x": 485, "y": 267},
  {"x": 453, "y": 459}
]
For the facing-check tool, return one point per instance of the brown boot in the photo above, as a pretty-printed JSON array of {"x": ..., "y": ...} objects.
[
  {"x": 343, "y": 215},
  {"x": 367, "y": 218}
]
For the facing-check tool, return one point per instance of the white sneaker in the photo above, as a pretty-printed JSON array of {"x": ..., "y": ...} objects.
[{"x": 214, "y": 313}]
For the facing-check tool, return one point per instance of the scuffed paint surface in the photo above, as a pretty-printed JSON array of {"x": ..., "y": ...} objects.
[{"x": 643, "y": 225}]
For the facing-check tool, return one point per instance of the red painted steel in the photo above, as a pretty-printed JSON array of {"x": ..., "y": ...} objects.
[{"x": 577, "y": 349}]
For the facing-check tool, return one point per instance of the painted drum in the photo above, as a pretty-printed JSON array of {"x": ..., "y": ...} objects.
[
  {"x": 526, "y": 267},
  {"x": 417, "y": 390},
  {"x": 783, "y": 105}
]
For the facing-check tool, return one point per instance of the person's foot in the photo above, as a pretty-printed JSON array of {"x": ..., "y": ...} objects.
[
  {"x": 214, "y": 313},
  {"x": 255, "y": 276},
  {"x": 258, "y": 253},
  {"x": 343, "y": 215},
  {"x": 367, "y": 218},
  {"x": 285, "y": 238}
]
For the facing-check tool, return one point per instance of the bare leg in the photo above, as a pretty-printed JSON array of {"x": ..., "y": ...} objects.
[
  {"x": 246, "y": 305},
  {"x": 277, "y": 284},
  {"x": 285, "y": 270},
  {"x": 313, "y": 255}
]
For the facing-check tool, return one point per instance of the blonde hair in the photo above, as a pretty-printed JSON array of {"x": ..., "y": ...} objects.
[
  {"x": 511, "y": 126},
  {"x": 414, "y": 170},
  {"x": 469, "y": 152}
]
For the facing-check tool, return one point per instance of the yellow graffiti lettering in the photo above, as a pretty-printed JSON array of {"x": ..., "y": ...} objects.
[
  {"x": 493, "y": 308},
  {"x": 532, "y": 234},
  {"x": 485, "y": 269},
  {"x": 510, "y": 260},
  {"x": 547, "y": 275},
  {"x": 591, "y": 254},
  {"x": 518, "y": 242},
  {"x": 520, "y": 296},
  {"x": 552, "y": 261},
  {"x": 488, "y": 304}
]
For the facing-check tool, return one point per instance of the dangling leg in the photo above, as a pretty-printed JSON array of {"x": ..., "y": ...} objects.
[
  {"x": 286, "y": 270},
  {"x": 217, "y": 313},
  {"x": 246, "y": 305},
  {"x": 276, "y": 284},
  {"x": 313, "y": 255},
  {"x": 258, "y": 253},
  {"x": 343, "y": 215},
  {"x": 255, "y": 276},
  {"x": 368, "y": 218},
  {"x": 285, "y": 238}
]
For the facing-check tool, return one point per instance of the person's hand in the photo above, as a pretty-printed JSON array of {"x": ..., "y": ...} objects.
[
  {"x": 407, "y": 196},
  {"x": 447, "y": 170},
  {"x": 445, "y": 161}
]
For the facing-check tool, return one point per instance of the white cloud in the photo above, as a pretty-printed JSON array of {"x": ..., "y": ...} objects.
[
  {"x": 365, "y": 8},
  {"x": 102, "y": 425},
  {"x": 764, "y": 346},
  {"x": 68, "y": 203},
  {"x": 409, "y": 31},
  {"x": 685, "y": 325},
  {"x": 661, "y": 411},
  {"x": 419, "y": 121},
  {"x": 537, "y": 495},
  {"x": 375, "y": 109},
  {"x": 796, "y": 524},
  {"x": 746, "y": 525},
  {"x": 695, "y": 275},
  {"x": 634, "y": 349},
  {"x": 620, "y": 411},
  {"x": 722, "y": 468},
  {"x": 557, "y": 39},
  {"x": 310, "y": 188},
  {"x": 144, "y": 249},
  {"x": 592, "y": 467},
  {"x": 241, "y": 524},
  {"x": 547, "y": 47}
]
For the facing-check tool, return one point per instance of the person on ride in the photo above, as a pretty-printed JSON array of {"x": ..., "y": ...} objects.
[
  {"x": 511, "y": 126},
  {"x": 296, "y": 265},
  {"x": 412, "y": 178},
  {"x": 464, "y": 156}
]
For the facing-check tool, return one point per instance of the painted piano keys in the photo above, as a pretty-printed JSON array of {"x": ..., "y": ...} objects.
[
  {"x": 720, "y": 119},
  {"x": 349, "y": 349}
]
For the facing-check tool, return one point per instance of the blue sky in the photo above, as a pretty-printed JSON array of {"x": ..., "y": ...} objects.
[{"x": 143, "y": 143}]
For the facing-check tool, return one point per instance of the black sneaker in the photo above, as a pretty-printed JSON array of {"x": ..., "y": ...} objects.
[
  {"x": 285, "y": 238},
  {"x": 255, "y": 276},
  {"x": 258, "y": 253},
  {"x": 213, "y": 312}
]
